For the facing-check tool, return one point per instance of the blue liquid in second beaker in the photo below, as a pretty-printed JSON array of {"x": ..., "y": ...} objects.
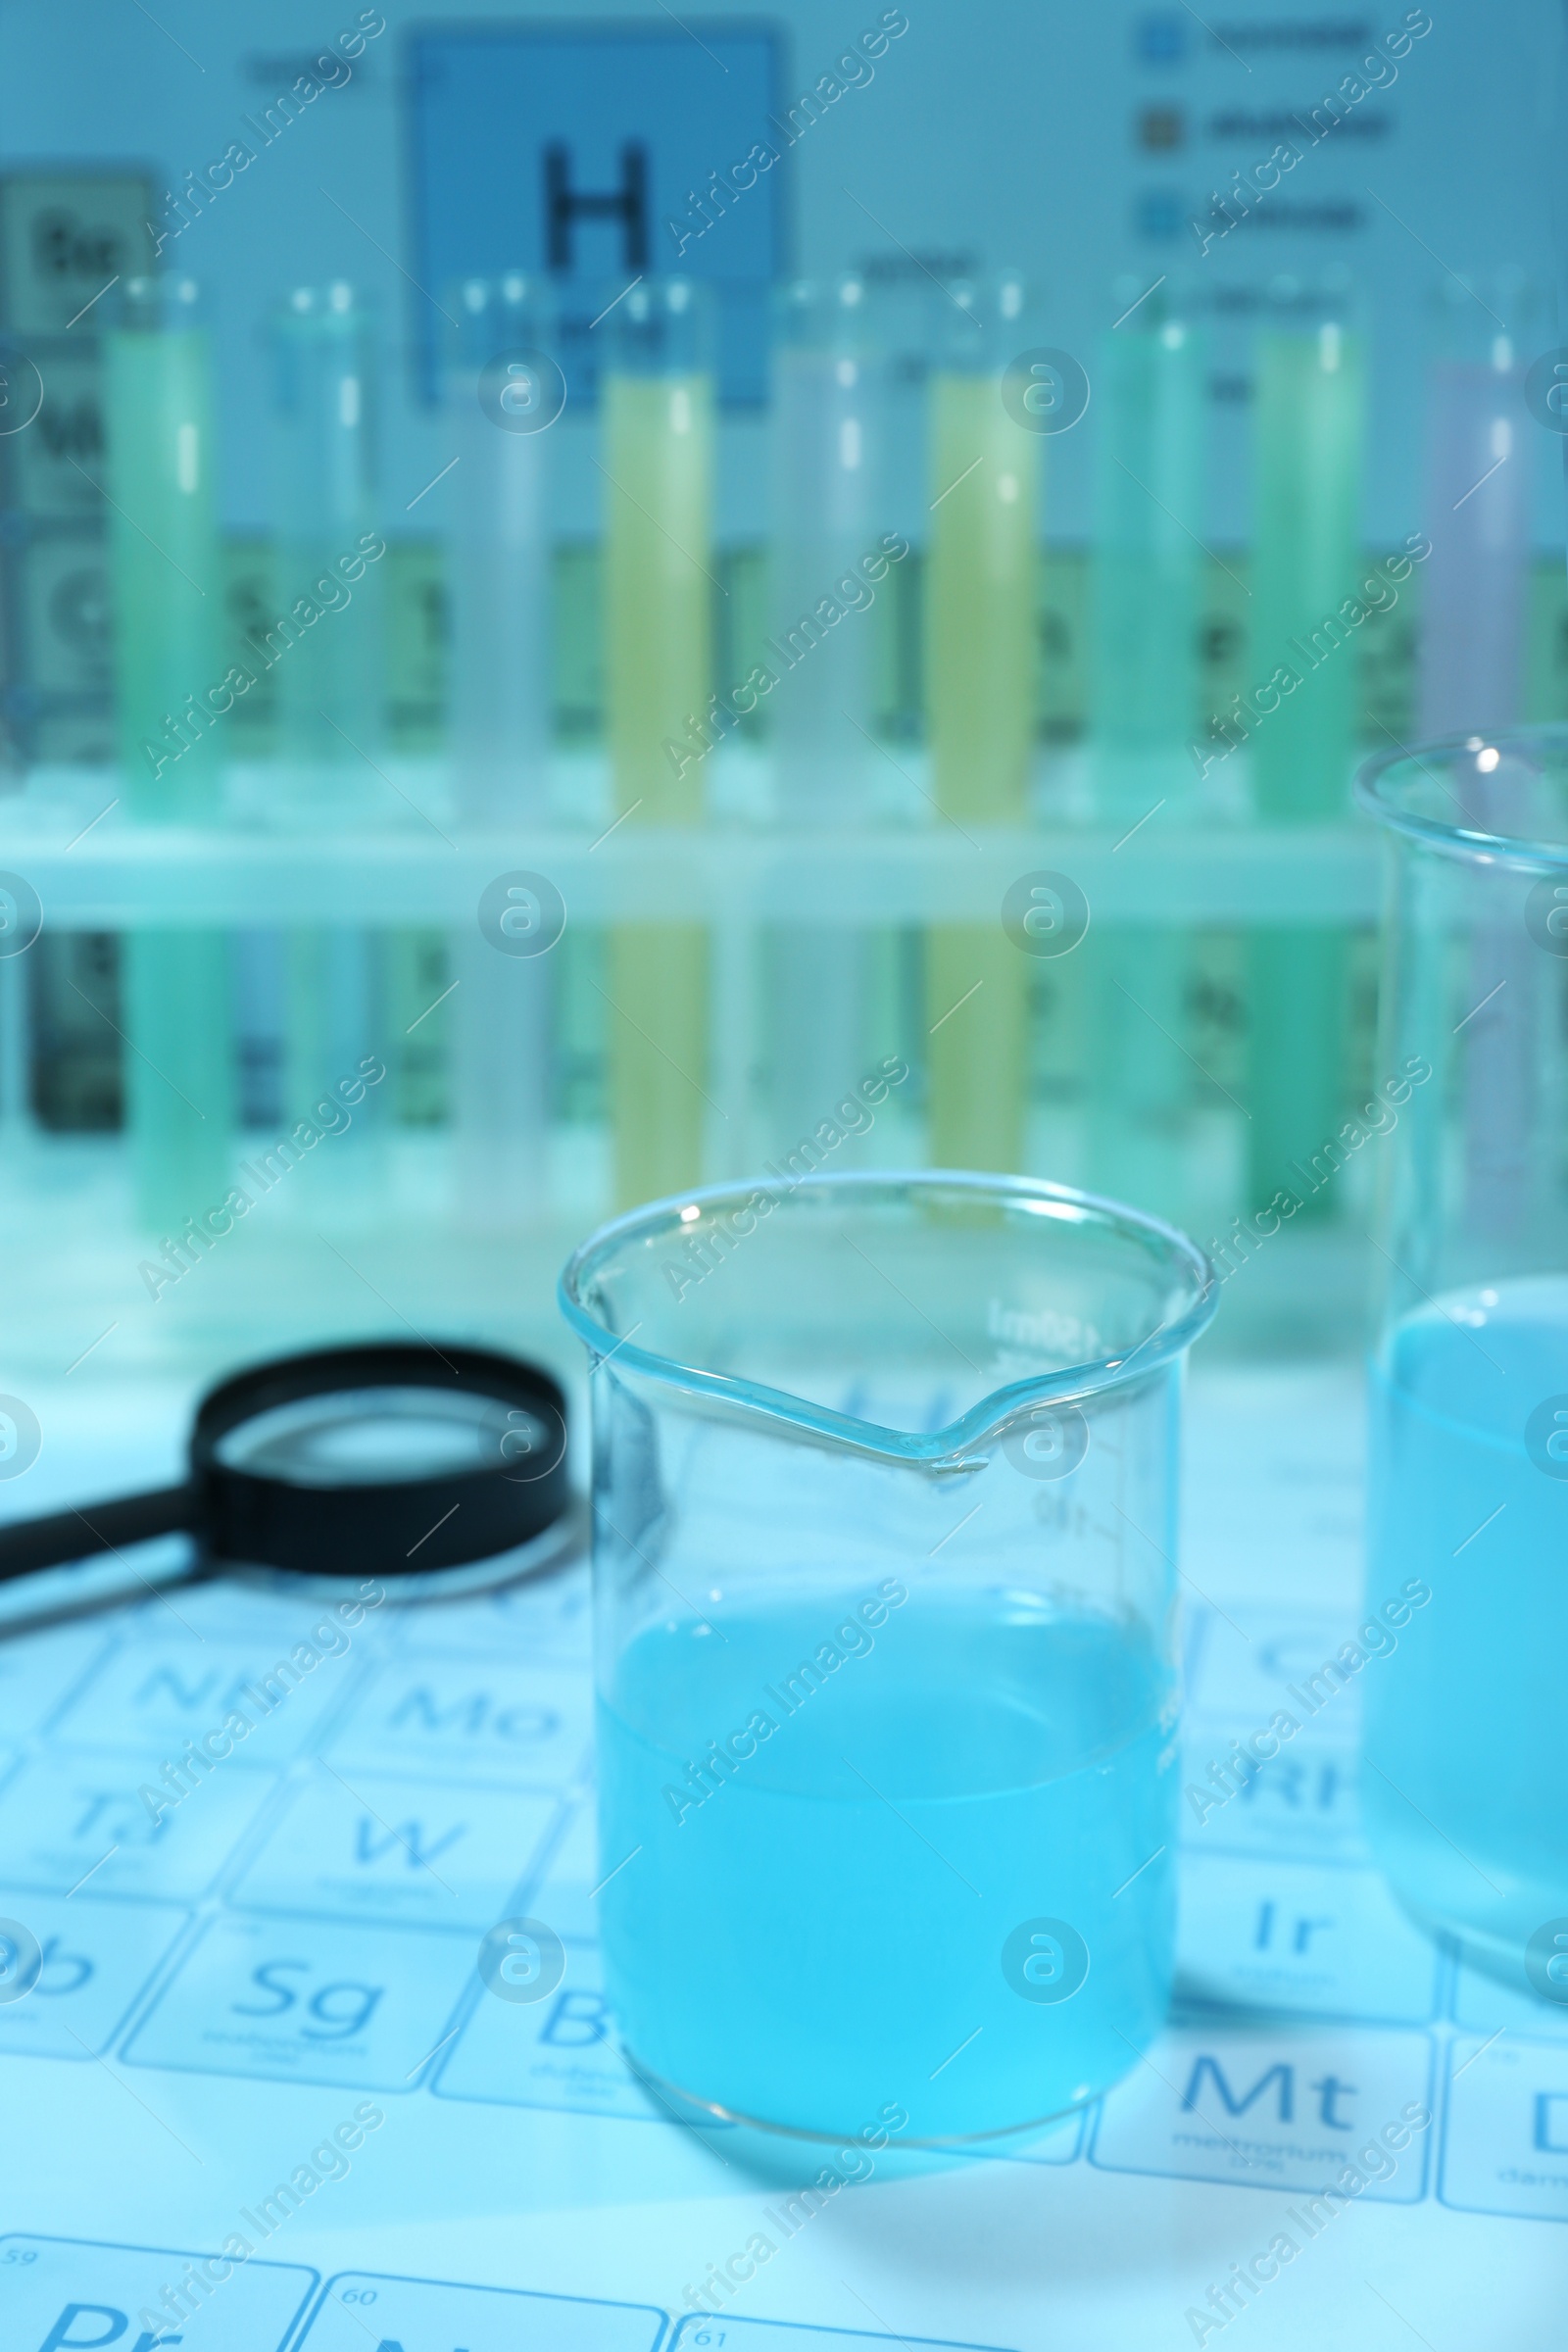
[
  {"x": 834, "y": 1916},
  {"x": 1466, "y": 1721}
]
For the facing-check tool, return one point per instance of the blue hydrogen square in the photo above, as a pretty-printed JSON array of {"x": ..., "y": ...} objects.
[
  {"x": 113, "y": 1823},
  {"x": 488, "y": 1717},
  {"x": 306, "y": 2001},
  {"x": 60, "y": 2290},
  {"x": 577, "y": 150},
  {"x": 1302, "y": 1939},
  {"x": 562, "y": 2051},
  {"x": 398, "y": 1852},
  {"x": 1506, "y": 2129},
  {"x": 97, "y": 1958},
  {"x": 141, "y": 1697},
  {"x": 1293, "y": 2111},
  {"x": 1300, "y": 1804},
  {"x": 431, "y": 2312}
]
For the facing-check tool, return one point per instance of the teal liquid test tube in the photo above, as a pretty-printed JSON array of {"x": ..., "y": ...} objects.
[
  {"x": 830, "y": 401},
  {"x": 1149, "y": 500},
  {"x": 1307, "y": 558},
  {"x": 503, "y": 393},
  {"x": 331, "y": 683},
  {"x": 168, "y": 683}
]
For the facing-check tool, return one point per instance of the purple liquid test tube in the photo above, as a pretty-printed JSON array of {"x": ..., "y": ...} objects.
[{"x": 1477, "y": 517}]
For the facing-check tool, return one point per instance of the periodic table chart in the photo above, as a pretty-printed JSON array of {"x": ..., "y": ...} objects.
[{"x": 230, "y": 1994}]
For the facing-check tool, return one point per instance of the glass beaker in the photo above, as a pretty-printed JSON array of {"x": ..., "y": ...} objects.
[
  {"x": 884, "y": 1536},
  {"x": 1467, "y": 1705}
]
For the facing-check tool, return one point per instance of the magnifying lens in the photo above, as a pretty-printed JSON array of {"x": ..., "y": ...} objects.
[{"x": 428, "y": 1465}]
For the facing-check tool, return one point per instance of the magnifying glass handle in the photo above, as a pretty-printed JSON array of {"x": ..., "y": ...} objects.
[{"x": 76, "y": 1535}]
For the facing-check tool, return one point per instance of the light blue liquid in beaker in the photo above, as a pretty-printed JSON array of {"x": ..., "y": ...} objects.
[
  {"x": 825, "y": 1933},
  {"x": 1466, "y": 1722}
]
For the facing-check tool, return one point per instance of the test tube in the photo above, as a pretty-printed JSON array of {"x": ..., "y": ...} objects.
[
  {"x": 167, "y": 608},
  {"x": 1477, "y": 512},
  {"x": 829, "y": 395},
  {"x": 1144, "y": 700},
  {"x": 331, "y": 690},
  {"x": 983, "y": 476},
  {"x": 1311, "y": 429},
  {"x": 658, "y": 464},
  {"x": 502, "y": 397}
]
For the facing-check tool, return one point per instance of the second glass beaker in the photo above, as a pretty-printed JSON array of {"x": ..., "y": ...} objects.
[{"x": 1468, "y": 1505}]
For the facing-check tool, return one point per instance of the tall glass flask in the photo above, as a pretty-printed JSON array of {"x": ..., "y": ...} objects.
[
  {"x": 504, "y": 394},
  {"x": 331, "y": 697},
  {"x": 657, "y": 426},
  {"x": 1467, "y": 1708},
  {"x": 170, "y": 694},
  {"x": 983, "y": 472},
  {"x": 1144, "y": 699},
  {"x": 1306, "y": 562},
  {"x": 829, "y": 397}
]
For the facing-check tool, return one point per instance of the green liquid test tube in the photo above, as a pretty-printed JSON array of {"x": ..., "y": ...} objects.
[
  {"x": 1306, "y": 560},
  {"x": 168, "y": 604},
  {"x": 980, "y": 692},
  {"x": 657, "y": 400},
  {"x": 1143, "y": 698}
]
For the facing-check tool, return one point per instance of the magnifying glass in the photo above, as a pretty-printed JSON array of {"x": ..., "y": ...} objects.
[{"x": 402, "y": 1462}]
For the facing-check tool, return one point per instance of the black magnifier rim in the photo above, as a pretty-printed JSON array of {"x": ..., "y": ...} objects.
[{"x": 404, "y": 1527}]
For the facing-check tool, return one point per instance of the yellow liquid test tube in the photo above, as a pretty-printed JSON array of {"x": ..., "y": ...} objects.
[
  {"x": 657, "y": 408},
  {"x": 168, "y": 604},
  {"x": 980, "y": 698}
]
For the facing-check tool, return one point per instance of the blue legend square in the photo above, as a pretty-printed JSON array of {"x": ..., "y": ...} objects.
[{"x": 1160, "y": 39}]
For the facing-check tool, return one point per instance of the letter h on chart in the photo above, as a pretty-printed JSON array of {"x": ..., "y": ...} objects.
[{"x": 565, "y": 204}]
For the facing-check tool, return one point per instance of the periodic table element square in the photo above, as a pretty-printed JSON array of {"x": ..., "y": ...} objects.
[
  {"x": 306, "y": 2001},
  {"x": 38, "y": 1671},
  {"x": 549, "y": 1618},
  {"x": 1304, "y": 1803},
  {"x": 1505, "y": 2130},
  {"x": 97, "y": 1959},
  {"x": 1486, "y": 2006},
  {"x": 43, "y": 2278},
  {"x": 428, "y": 2315},
  {"x": 146, "y": 1697},
  {"x": 562, "y": 2052},
  {"x": 416, "y": 1853},
  {"x": 564, "y": 1897},
  {"x": 264, "y": 1608},
  {"x": 698, "y": 2333},
  {"x": 499, "y": 1721},
  {"x": 1253, "y": 1664},
  {"x": 1301, "y": 1939},
  {"x": 1280, "y": 2111},
  {"x": 65, "y": 1819}
]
